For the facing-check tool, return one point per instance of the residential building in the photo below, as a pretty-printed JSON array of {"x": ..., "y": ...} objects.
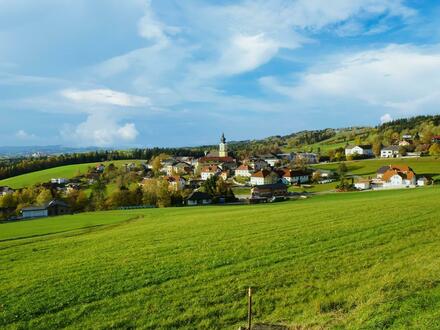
[
  {"x": 257, "y": 164},
  {"x": 289, "y": 176},
  {"x": 363, "y": 184},
  {"x": 264, "y": 177},
  {"x": 271, "y": 159},
  {"x": 209, "y": 171},
  {"x": 404, "y": 143},
  {"x": 306, "y": 157},
  {"x": 435, "y": 139},
  {"x": 4, "y": 190},
  {"x": 59, "y": 180},
  {"x": 398, "y": 176},
  {"x": 423, "y": 181},
  {"x": 390, "y": 152},
  {"x": 364, "y": 150},
  {"x": 100, "y": 168},
  {"x": 175, "y": 182},
  {"x": 179, "y": 167},
  {"x": 244, "y": 170}
]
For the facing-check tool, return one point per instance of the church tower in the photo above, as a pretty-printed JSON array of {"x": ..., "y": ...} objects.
[{"x": 223, "y": 147}]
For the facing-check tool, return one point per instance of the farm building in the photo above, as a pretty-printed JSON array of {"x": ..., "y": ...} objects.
[
  {"x": 269, "y": 190},
  {"x": 198, "y": 198},
  {"x": 53, "y": 208},
  {"x": 365, "y": 150}
]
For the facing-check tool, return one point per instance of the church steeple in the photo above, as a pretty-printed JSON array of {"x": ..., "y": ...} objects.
[
  {"x": 223, "y": 140},
  {"x": 223, "y": 147}
]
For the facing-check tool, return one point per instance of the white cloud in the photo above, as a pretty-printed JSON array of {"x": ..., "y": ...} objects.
[
  {"x": 100, "y": 130},
  {"x": 403, "y": 78},
  {"x": 104, "y": 97},
  {"x": 23, "y": 135},
  {"x": 386, "y": 118}
]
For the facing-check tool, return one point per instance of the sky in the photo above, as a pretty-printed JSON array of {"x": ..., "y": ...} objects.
[{"x": 144, "y": 73}]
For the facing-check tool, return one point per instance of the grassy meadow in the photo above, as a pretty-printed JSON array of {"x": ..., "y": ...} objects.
[
  {"x": 354, "y": 260},
  {"x": 422, "y": 166},
  {"x": 67, "y": 171}
]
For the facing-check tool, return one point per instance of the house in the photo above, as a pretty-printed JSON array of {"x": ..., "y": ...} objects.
[
  {"x": 435, "y": 139},
  {"x": 407, "y": 137},
  {"x": 271, "y": 159},
  {"x": 130, "y": 167},
  {"x": 286, "y": 156},
  {"x": 59, "y": 180},
  {"x": 381, "y": 171},
  {"x": 363, "y": 184},
  {"x": 179, "y": 167},
  {"x": 100, "y": 168},
  {"x": 175, "y": 182},
  {"x": 4, "y": 190},
  {"x": 244, "y": 170},
  {"x": 257, "y": 164},
  {"x": 264, "y": 177},
  {"x": 364, "y": 150},
  {"x": 269, "y": 190},
  {"x": 306, "y": 157},
  {"x": 423, "y": 181},
  {"x": 70, "y": 187},
  {"x": 53, "y": 208},
  {"x": 398, "y": 177},
  {"x": 390, "y": 152},
  {"x": 289, "y": 176},
  {"x": 198, "y": 198},
  {"x": 404, "y": 143},
  {"x": 209, "y": 171}
]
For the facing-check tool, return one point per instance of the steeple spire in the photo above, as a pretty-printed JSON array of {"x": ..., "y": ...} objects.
[{"x": 223, "y": 139}]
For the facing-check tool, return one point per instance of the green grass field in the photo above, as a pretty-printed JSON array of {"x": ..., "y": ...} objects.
[
  {"x": 340, "y": 261},
  {"x": 422, "y": 166},
  {"x": 67, "y": 171}
]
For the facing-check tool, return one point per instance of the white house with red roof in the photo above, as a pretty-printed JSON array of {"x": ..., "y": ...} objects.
[
  {"x": 264, "y": 177},
  {"x": 209, "y": 171}
]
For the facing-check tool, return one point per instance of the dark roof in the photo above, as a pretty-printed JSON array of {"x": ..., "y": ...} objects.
[
  {"x": 52, "y": 203},
  {"x": 208, "y": 159},
  {"x": 34, "y": 208},
  {"x": 363, "y": 146},
  {"x": 199, "y": 195},
  {"x": 383, "y": 169},
  {"x": 271, "y": 186}
]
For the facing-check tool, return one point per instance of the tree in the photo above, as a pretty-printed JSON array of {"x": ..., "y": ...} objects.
[
  {"x": 342, "y": 170},
  {"x": 434, "y": 150},
  {"x": 377, "y": 147},
  {"x": 44, "y": 197}
]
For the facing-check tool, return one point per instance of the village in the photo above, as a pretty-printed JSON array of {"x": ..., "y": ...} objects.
[{"x": 216, "y": 178}]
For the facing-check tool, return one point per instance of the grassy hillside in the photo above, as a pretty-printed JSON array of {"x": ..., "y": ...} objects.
[
  {"x": 356, "y": 260},
  {"x": 67, "y": 171},
  {"x": 422, "y": 166}
]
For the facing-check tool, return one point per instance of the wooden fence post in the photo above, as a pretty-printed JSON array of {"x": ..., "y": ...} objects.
[{"x": 249, "y": 308}]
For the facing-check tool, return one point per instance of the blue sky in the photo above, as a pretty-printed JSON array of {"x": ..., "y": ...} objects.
[{"x": 177, "y": 73}]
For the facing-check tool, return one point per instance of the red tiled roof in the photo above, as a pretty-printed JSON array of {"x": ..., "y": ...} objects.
[{"x": 261, "y": 174}]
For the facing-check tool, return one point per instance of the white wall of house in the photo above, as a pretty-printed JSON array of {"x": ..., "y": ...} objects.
[
  {"x": 207, "y": 175},
  {"x": 386, "y": 153},
  {"x": 35, "y": 214},
  {"x": 358, "y": 151},
  {"x": 245, "y": 173}
]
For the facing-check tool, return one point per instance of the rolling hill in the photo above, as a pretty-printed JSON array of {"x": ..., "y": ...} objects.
[
  {"x": 67, "y": 171},
  {"x": 314, "y": 263}
]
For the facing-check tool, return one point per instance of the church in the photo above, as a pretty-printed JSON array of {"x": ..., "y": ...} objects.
[{"x": 220, "y": 157}]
